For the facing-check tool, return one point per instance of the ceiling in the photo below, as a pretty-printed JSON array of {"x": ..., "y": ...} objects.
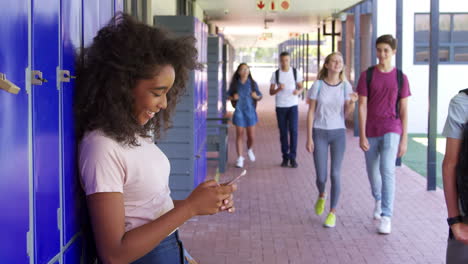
[{"x": 243, "y": 24}]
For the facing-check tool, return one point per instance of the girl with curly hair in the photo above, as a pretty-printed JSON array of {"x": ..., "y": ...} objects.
[
  {"x": 244, "y": 94},
  {"x": 128, "y": 82}
]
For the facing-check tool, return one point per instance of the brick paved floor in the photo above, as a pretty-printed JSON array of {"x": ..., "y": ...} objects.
[{"x": 275, "y": 221}]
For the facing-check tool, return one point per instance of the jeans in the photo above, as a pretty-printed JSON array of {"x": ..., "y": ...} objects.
[
  {"x": 336, "y": 140},
  {"x": 169, "y": 251},
  {"x": 380, "y": 163},
  {"x": 457, "y": 252},
  {"x": 287, "y": 122}
]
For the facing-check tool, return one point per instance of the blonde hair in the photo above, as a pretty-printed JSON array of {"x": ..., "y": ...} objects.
[{"x": 324, "y": 71}]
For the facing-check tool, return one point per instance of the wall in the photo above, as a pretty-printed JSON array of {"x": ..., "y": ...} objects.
[
  {"x": 164, "y": 8},
  {"x": 451, "y": 78}
]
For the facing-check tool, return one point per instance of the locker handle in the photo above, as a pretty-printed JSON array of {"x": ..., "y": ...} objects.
[
  {"x": 64, "y": 76},
  {"x": 37, "y": 78},
  {"x": 8, "y": 86}
]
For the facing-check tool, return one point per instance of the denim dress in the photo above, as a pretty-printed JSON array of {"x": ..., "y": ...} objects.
[{"x": 245, "y": 114}]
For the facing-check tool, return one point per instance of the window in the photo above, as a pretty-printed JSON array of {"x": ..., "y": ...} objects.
[{"x": 453, "y": 38}]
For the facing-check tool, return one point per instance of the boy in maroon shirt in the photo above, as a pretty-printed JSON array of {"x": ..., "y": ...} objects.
[{"x": 383, "y": 114}]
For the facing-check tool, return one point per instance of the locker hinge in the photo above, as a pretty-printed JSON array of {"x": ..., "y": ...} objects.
[
  {"x": 30, "y": 243},
  {"x": 59, "y": 218},
  {"x": 28, "y": 80}
]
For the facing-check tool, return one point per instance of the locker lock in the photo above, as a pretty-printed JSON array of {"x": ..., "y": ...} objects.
[
  {"x": 7, "y": 85},
  {"x": 37, "y": 78},
  {"x": 64, "y": 76}
]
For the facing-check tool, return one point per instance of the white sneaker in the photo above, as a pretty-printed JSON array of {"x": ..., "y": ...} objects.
[
  {"x": 377, "y": 210},
  {"x": 240, "y": 162},
  {"x": 385, "y": 226},
  {"x": 251, "y": 155}
]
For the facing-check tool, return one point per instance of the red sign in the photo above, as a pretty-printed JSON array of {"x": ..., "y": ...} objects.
[
  {"x": 273, "y": 6},
  {"x": 260, "y": 5},
  {"x": 285, "y": 4}
]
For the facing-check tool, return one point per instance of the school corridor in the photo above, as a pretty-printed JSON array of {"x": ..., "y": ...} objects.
[{"x": 275, "y": 221}]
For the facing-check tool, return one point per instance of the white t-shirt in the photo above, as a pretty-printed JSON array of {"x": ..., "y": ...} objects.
[
  {"x": 329, "y": 113},
  {"x": 140, "y": 173},
  {"x": 286, "y": 98}
]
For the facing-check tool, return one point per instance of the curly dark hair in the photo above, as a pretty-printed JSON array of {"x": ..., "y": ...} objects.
[{"x": 124, "y": 52}]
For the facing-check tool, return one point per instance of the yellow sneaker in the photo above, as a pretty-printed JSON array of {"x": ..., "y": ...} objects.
[
  {"x": 320, "y": 205},
  {"x": 330, "y": 221}
]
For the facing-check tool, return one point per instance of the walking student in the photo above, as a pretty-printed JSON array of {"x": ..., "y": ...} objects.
[
  {"x": 244, "y": 94},
  {"x": 331, "y": 99},
  {"x": 383, "y": 114},
  {"x": 286, "y": 85}
]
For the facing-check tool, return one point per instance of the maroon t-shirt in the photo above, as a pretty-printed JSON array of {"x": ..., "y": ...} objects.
[{"x": 381, "y": 105}]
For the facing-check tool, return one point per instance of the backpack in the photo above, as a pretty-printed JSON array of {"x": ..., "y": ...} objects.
[
  {"x": 369, "y": 73},
  {"x": 462, "y": 168},
  {"x": 252, "y": 87},
  {"x": 294, "y": 73}
]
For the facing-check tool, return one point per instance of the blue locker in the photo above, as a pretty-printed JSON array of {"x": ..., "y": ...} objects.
[
  {"x": 71, "y": 37},
  {"x": 45, "y": 129},
  {"x": 14, "y": 161},
  {"x": 72, "y": 254}
]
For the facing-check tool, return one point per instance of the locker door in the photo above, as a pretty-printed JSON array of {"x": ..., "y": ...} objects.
[
  {"x": 90, "y": 20},
  {"x": 45, "y": 129},
  {"x": 72, "y": 254},
  {"x": 14, "y": 148},
  {"x": 105, "y": 12},
  {"x": 70, "y": 42},
  {"x": 118, "y": 6}
]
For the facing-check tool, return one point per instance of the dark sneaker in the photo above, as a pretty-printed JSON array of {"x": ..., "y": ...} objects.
[
  {"x": 293, "y": 163},
  {"x": 284, "y": 163}
]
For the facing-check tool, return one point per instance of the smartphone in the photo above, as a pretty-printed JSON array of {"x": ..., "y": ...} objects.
[{"x": 231, "y": 182}]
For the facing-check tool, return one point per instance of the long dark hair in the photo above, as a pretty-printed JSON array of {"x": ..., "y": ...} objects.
[
  {"x": 124, "y": 52},
  {"x": 236, "y": 78}
]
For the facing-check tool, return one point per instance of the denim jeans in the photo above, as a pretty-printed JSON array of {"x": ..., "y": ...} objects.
[
  {"x": 380, "y": 163},
  {"x": 287, "y": 122},
  {"x": 335, "y": 139},
  {"x": 169, "y": 251}
]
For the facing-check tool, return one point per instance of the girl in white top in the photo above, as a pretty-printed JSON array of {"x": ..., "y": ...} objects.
[
  {"x": 128, "y": 82},
  {"x": 330, "y": 99}
]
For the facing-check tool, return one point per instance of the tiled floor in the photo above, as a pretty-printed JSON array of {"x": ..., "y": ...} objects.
[{"x": 275, "y": 221}]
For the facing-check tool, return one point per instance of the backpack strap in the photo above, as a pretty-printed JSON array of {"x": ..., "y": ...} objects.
[
  {"x": 400, "y": 86},
  {"x": 369, "y": 73},
  {"x": 295, "y": 76},
  {"x": 277, "y": 77},
  {"x": 320, "y": 83},
  {"x": 464, "y": 91}
]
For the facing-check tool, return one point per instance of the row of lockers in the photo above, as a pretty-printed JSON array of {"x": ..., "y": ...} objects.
[
  {"x": 38, "y": 181},
  {"x": 185, "y": 142}
]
